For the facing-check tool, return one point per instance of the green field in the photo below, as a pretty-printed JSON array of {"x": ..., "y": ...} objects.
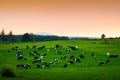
[{"x": 87, "y": 69}]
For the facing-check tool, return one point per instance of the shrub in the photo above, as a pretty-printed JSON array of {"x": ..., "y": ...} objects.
[{"x": 7, "y": 71}]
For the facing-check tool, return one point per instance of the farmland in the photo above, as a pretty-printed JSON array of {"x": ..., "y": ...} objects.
[{"x": 86, "y": 69}]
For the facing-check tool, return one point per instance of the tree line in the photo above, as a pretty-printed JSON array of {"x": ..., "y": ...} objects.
[{"x": 28, "y": 37}]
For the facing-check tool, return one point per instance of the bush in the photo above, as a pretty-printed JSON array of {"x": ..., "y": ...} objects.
[{"x": 7, "y": 71}]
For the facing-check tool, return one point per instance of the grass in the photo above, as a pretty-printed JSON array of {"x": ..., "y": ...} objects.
[{"x": 76, "y": 71}]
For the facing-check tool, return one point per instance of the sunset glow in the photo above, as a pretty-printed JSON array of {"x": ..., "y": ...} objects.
[{"x": 88, "y": 18}]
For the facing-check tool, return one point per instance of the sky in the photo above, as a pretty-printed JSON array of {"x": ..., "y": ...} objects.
[{"x": 85, "y": 18}]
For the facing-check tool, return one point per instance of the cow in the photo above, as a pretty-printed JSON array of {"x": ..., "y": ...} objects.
[
  {"x": 68, "y": 51},
  {"x": 51, "y": 63},
  {"x": 64, "y": 57},
  {"x": 70, "y": 62},
  {"x": 20, "y": 58},
  {"x": 72, "y": 56},
  {"x": 58, "y": 52},
  {"x": 34, "y": 46},
  {"x": 76, "y": 60},
  {"x": 45, "y": 65},
  {"x": 38, "y": 66},
  {"x": 27, "y": 47},
  {"x": 108, "y": 61},
  {"x": 42, "y": 47},
  {"x": 101, "y": 63},
  {"x": 30, "y": 53},
  {"x": 36, "y": 57},
  {"x": 56, "y": 61},
  {"x": 93, "y": 54},
  {"x": 58, "y": 46},
  {"x": 44, "y": 55},
  {"x": 81, "y": 56},
  {"x": 65, "y": 65},
  {"x": 27, "y": 66},
  {"x": 19, "y": 66},
  {"x": 73, "y": 48},
  {"x": 113, "y": 56},
  {"x": 37, "y": 61},
  {"x": 18, "y": 53}
]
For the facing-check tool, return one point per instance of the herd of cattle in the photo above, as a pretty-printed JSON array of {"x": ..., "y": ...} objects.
[{"x": 39, "y": 59}]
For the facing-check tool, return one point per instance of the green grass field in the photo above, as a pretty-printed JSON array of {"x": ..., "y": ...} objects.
[{"x": 76, "y": 71}]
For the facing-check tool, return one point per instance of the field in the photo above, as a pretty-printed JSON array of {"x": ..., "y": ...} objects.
[{"x": 87, "y": 69}]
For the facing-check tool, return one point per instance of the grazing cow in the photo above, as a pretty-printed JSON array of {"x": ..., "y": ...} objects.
[
  {"x": 72, "y": 56},
  {"x": 42, "y": 47},
  {"x": 44, "y": 55},
  {"x": 34, "y": 47},
  {"x": 53, "y": 47},
  {"x": 70, "y": 62},
  {"x": 37, "y": 61},
  {"x": 56, "y": 61},
  {"x": 65, "y": 65},
  {"x": 38, "y": 66},
  {"x": 58, "y": 46},
  {"x": 108, "y": 61},
  {"x": 36, "y": 57},
  {"x": 51, "y": 63},
  {"x": 45, "y": 65},
  {"x": 41, "y": 58},
  {"x": 27, "y": 47},
  {"x": 38, "y": 54},
  {"x": 25, "y": 59},
  {"x": 58, "y": 52},
  {"x": 14, "y": 48},
  {"x": 20, "y": 58},
  {"x": 18, "y": 53},
  {"x": 101, "y": 63},
  {"x": 93, "y": 54},
  {"x": 34, "y": 51},
  {"x": 30, "y": 53},
  {"x": 81, "y": 56},
  {"x": 113, "y": 56},
  {"x": 19, "y": 66},
  {"x": 27, "y": 66},
  {"x": 68, "y": 51},
  {"x": 64, "y": 57},
  {"x": 76, "y": 60},
  {"x": 73, "y": 48}
]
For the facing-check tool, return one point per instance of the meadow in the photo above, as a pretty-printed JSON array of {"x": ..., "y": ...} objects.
[{"x": 86, "y": 69}]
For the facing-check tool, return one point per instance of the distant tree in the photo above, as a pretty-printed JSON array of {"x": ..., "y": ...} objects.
[
  {"x": 2, "y": 32},
  {"x": 25, "y": 37},
  {"x": 28, "y": 37},
  {"x": 10, "y": 37},
  {"x": 2, "y": 35},
  {"x": 103, "y": 36},
  {"x": 10, "y": 33},
  {"x": 105, "y": 40}
]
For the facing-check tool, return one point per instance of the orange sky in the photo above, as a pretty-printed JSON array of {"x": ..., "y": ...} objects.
[{"x": 88, "y": 18}]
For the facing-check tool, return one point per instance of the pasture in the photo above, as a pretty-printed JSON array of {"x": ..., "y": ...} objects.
[{"x": 88, "y": 53}]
